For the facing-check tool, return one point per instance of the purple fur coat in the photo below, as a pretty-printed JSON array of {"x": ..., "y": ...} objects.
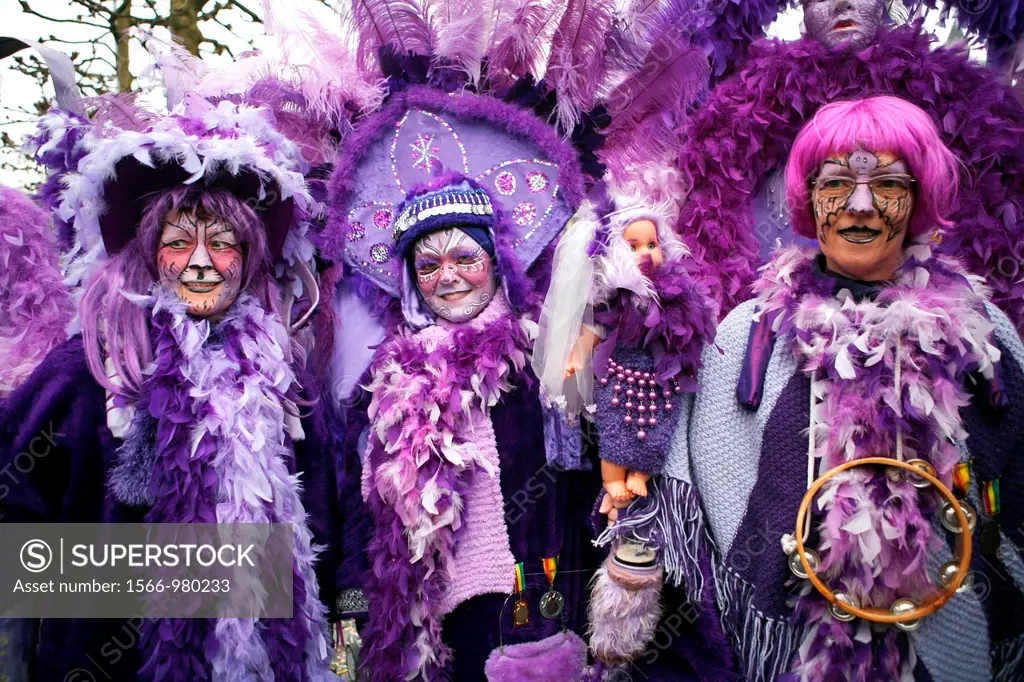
[{"x": 71, "y": 484}]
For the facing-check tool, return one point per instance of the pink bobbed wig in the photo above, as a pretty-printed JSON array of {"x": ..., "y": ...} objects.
[{"x": 878, "y": 124}]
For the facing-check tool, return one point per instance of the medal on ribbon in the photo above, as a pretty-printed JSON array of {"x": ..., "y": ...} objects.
[
  {"x": 552, "y": 602},
  {"x": 521, "y": 611}
]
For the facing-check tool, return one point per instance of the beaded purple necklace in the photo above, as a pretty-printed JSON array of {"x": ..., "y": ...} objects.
[{"x": 639, "y": 387}]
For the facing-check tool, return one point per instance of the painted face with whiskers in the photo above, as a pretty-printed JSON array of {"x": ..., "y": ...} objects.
[
  {"x": 863, "y": 202},
  {"x": 200, "y": 260},
  {"x": 454, "y": 274}
]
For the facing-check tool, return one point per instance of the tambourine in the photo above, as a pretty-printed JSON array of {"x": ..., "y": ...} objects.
[{"x": 905, "y": 614}]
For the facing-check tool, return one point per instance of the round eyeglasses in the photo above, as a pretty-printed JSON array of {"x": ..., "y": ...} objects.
[{"x": 883, "y": 187}]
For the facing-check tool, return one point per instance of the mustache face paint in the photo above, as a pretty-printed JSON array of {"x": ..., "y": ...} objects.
[
  {"x": 863, "y": 202},
  {"x": 454, "y": 274},
  {"x": 832, "y": 22},
  {"x": 200, "y": 260}
]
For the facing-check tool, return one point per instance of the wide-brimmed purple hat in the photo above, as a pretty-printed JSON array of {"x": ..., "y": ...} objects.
[{"x": 226, "y": 145}]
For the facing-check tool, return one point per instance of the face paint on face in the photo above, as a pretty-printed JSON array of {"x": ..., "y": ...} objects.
[
  {"x": 832, "y": 22},
  {"x": 642, "y": 237},
  {"x": 454, "y": 274},
  {"x": 863, "y": 202},
  {"x": 200, "y": 260}
]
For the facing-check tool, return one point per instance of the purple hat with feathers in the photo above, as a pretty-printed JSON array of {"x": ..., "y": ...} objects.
[
  {"x": 132, "y": 154},
  {"x": 492, "y": 153}
]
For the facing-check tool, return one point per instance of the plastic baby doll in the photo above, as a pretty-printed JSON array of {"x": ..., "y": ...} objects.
[
  {"x": 642, "y": 237},
  {"x": 651, "y": 320}
]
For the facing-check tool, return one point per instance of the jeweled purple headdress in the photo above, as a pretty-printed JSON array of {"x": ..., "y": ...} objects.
[{"x": 519, "y": 162}]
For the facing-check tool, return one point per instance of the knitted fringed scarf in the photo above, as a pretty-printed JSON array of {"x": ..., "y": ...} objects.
[
  {"x": 217, "y": 395},
  {"x": 427, "y": 388},
  {"x": 874, "y": 533}
]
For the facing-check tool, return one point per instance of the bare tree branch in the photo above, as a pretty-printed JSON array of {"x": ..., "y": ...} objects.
[
  {"x": 28, "y": 10},
  {"x": 245, "y": 10}
]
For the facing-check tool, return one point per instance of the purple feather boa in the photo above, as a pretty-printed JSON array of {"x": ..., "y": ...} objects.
[
  {"x": 219, "y": 408},
  {"x": 562, "y": 657},
  {"x": 57, "y": 145},
  {"x": 998, "y": 22},
  {"x": 875, "y": 533},
  {"x": 35, "y": 307},
  {"x": 747, "y": 125},
  {"x": 426, "y": 387},
  {"x": 675, "y": 326}
]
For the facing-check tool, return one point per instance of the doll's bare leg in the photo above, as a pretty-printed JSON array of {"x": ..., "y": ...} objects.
[
  {"x": 636, "y": 482},
  {"x": 614, "y": 478}
]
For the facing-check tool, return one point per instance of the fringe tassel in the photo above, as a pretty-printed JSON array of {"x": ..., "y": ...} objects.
[
  {"x": 764, "y": 646},
  {"x": 1008, "y": 660},
  {"x": 670, "y": 520}
]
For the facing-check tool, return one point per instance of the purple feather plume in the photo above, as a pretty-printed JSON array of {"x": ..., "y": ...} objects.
[
  {"x": 622, "y": 619},
  {"x": 525, "y": 24},
  {"x": 458, "y": 33},
  {"x": 419, "y": 477},
  {"x": 35, "y": 306},
  {"x": 397, "y": 23},
  {"x": 576, "y": 67}
]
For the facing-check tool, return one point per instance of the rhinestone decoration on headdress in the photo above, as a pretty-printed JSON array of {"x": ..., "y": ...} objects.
[
  {"x": 419, "y": 146},
  {"x": 453, "y": 202}
]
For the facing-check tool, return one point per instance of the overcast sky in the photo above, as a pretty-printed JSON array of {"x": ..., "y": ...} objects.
[{"x": 19, "y": 90}]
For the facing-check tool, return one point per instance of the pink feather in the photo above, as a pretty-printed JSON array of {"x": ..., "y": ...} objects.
[
  {"x": 645, "y": 107},
  {"x": 118, "y": 110},
  {"x": 520, "y": 26},
  {"x": 458, "y": 30},
  {"x": 326, "y": 69},
  {"x": 577, "y": 67},
  {"x": 400, "y": 23}
]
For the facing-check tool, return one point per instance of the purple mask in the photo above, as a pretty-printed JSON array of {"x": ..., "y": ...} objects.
[{"x": 834, "y": 22}]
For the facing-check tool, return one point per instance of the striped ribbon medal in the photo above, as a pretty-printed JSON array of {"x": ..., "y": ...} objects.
[
  {"x": 521, "y": 612},
  {"x": 552, "y": 602}
]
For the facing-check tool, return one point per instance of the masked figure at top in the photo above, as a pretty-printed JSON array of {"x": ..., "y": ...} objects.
[
  {"x": 735, "y": 147},
  {"x": 180, "y": 399}
]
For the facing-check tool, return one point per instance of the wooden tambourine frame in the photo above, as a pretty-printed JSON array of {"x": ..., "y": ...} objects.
[{"x": 874, "y": 614}]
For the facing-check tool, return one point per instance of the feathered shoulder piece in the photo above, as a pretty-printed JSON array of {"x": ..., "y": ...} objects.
[{"x": 35, "y": 306}]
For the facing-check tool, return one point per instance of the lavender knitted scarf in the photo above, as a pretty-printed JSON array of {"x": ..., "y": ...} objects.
[
  {"x": 217, "y": 396},
  {"x": 426, "y": 388},
  {"x": 874, "y": 533}
]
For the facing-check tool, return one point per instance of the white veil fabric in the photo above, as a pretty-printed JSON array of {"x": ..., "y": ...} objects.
[
  {"x": 566, "y": 310},
  {"x": 582, "y": 280}
]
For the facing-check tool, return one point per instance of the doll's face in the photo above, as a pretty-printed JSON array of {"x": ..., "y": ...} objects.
[
  {"x": 832, "y": 22},
  {"x": 200, "y": 260},
  {"x": 454, "y": 274},
  {"x": 863, "y": 202},
  {"x": 642, "y": 237}
]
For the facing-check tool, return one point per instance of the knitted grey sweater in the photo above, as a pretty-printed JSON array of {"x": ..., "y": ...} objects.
[{"x": 733, "y": 481}]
